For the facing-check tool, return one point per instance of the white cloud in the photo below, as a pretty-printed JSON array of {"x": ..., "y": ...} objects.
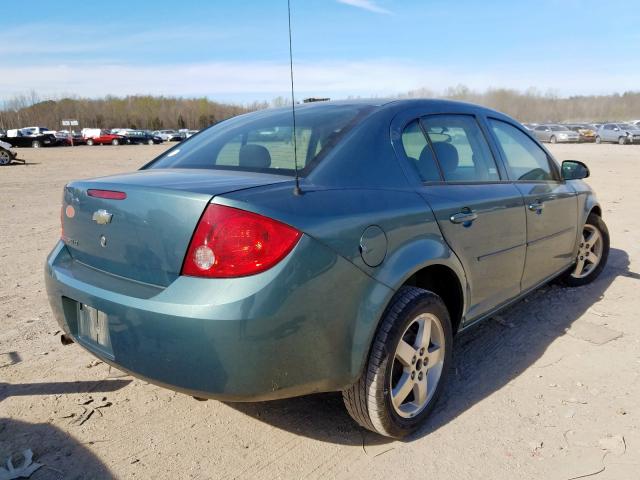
[
  {"x": 369, "y": 5},
  {"x": 247, "y": 81}
]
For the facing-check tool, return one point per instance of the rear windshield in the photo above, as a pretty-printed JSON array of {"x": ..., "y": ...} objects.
[{"x": 263, "y": 141}]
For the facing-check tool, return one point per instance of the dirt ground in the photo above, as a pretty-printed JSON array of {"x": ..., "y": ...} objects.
[{"x": 548, "y": 389}]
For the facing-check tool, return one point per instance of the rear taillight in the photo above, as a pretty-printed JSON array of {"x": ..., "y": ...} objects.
[{"x": 229, "y": 242}]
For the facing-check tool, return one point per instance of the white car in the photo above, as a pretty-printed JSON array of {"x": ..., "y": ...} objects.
[
  {"x": 7, "y": 155},
  {"x": 167, "y": 135}
]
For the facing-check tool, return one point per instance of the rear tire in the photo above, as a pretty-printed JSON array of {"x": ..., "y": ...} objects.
[
  {"x": 150, "y": 142},
  {"x": 90, "y": 142},
  {"x": 407, "y": 368},
  {"x": 622, "y": 141},
  {"x": 598, "y": 140},
  {"x": 593, "y": 244},
  {"x": 553, "y": 139},
  {"x": 115, "y": 141},
  {"x": 36, "y": 144}
]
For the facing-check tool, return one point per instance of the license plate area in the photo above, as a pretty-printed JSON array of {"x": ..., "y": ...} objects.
[{"x": 93, "y": 329}]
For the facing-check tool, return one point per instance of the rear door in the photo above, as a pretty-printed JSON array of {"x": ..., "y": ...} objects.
[
  {"x": 481, "y": 217},
  {"x": 551, "y": 204},
  {"x": 608, "y": 134},
  {"x": 542, "y": 133}
]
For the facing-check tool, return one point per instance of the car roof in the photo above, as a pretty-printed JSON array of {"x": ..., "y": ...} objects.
[{"x": 393, "y": 105}]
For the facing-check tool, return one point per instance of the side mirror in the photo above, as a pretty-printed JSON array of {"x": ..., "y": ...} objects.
[{"x": 574, "y": 170}]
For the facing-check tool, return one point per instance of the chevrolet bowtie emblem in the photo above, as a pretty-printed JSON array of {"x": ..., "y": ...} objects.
[{"x": 102, "y": 217}]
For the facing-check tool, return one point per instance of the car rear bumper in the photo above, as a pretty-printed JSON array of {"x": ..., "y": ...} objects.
[{"x": 303, "y": 326}]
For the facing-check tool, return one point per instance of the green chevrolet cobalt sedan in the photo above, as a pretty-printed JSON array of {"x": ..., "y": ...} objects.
[{"x": 223, "y": 270}]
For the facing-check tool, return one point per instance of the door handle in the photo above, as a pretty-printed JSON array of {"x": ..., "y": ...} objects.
[
  {"x": 463, "y": 217},
  {"x": 536, "y": 206}
]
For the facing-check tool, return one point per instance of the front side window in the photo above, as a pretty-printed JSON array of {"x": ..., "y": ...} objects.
[
  {"x": 263, "y": 141},
  {"x": 525, "y": 160},
  {"x": 460, "y": 148}
]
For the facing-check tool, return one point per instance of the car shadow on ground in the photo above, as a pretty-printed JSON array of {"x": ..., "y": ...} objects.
[
  {"x": 486, "y": 358},
  {"x": 57, "y": 388},
  {"x": 20, "y": 163},
  {"x": 60, "y": 454}
]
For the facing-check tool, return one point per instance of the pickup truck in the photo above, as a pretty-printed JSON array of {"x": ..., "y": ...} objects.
[
  {"x": 6, "y": 154},
  {"x": 30, "y": 137}
]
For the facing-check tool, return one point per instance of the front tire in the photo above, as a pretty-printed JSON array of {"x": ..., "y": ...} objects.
[
  {"x": 115, "y": 141},
  {"x": 36, "y": 144},
  {"x": 593, "y": 252},
  {"x": 598, "y": 140},
  {"x": 90, "y": 142},
  {"x": 150, "y": 142},
  {"x": 553, "y": 139},
  {"x": 622, "y": 141},
  {"x": 407, "y": 366}
]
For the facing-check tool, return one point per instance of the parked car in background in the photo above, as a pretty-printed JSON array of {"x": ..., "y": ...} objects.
[
  {"x": 212, "y": 272},
  {"x": 191, "y": 133},
  {"x": 555, "y": 134},
  {"x": 122, "y": 131},
  {"x": 106, "y": 138},
  {"x": 7, "y": 155},
  {"x": 168, "y": 135},
  {"x": 34, "y": 137},
  {"x": 66, "y": 138},
  {"x": 586, "y": 132},
  {"x": 139, "y": 137},
  {"x": 621, "y": 133}
]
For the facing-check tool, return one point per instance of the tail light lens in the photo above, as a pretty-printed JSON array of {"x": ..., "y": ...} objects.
[{"x": 229, "y": 242}]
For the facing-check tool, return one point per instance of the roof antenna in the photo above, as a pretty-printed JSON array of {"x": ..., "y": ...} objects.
[{"x": 296, "y": 190}]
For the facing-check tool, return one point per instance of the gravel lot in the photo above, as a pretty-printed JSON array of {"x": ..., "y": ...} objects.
[{"x": 548, "y": 389}]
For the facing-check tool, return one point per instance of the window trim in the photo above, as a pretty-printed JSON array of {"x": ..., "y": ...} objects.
[
  {"x": 428, "y": 141},
  {"x": 553, "y": 165},
  {"x": 442, "y": 180}
]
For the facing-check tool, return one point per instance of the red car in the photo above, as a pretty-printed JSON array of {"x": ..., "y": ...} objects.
[{"x": 106, "y": 138}]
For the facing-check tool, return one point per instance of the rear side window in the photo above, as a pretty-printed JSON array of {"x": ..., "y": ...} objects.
[
  {"x": 460, "y": 148},
  {"x": 419, "y": 153},
  {"x": 526, "y": 161}
]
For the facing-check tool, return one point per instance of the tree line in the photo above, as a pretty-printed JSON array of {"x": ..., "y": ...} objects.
[
  {"x": 138, "y": 112},
  {"x": 535, "y": 106},
  {"x": 159, "y": 112}
]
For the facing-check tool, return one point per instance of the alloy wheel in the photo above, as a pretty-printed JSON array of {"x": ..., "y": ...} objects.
[
  {"x": 5, "y": 157},
  {"x": 589, "y": 252},
  {"x": 417, "y": 365}
]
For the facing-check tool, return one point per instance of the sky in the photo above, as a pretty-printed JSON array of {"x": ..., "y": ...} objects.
[{"x": 238, "y": 51}]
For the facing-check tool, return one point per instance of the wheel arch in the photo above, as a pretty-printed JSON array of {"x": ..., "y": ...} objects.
[
  {"x": 595, "y": 209},
  {"x": 444, "y": 282}
]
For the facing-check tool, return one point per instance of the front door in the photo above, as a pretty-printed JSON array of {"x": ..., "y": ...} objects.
[
  {"x": 481, "y": 218},
  {"x": 551, "y": 204}
]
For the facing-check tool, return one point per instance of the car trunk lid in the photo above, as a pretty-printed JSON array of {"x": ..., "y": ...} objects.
[{"x": 144, "y": 236}]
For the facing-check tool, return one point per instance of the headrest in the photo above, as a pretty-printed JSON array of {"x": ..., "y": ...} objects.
[
  {"x": 254, "y": 156},
  {"x": 447, "y": 156},
  {"x": 427, "y": 165}
]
